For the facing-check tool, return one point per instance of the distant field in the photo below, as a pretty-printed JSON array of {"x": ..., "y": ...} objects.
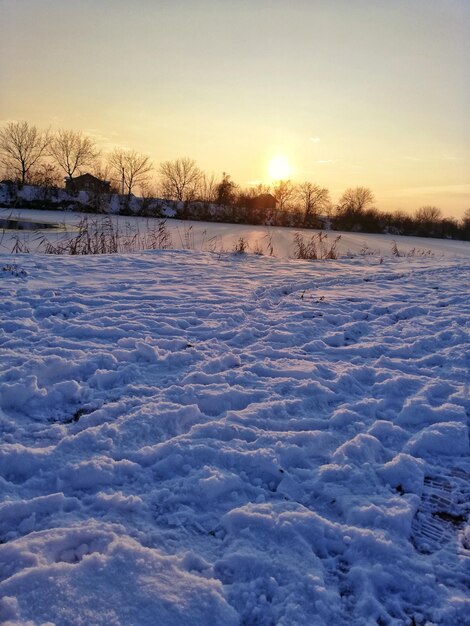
[{"x": 216, "y": 237}]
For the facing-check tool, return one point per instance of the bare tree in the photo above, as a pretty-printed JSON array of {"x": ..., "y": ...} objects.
[
  {"x": 355, "y": 200},
  {"x": 352, "y": 208},
  {"x": 429, "y": 222},
  {"x": 208, "y": 188},
  {"x": 180, "y": 179},
  {"x": 284, "y": 192},
  {"x": 21, "y": 148},
  {"x": 428, "y": 215},
  {"x": 102, "y": 170},
  {"x": 257, "y": 190},
  {"x": 148, "y": 190},
  {"x": 131, "y": 168},
  {"x": 72, "y": 151},
  {"x": 314, "y": 199},
  {"x": 46, "y": 175}
]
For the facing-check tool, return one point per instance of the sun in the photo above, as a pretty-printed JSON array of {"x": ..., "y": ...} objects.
[{"x": 279, "y": 168}]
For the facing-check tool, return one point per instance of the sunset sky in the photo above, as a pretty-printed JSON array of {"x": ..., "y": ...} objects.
[{"x": 366, "y": 92}]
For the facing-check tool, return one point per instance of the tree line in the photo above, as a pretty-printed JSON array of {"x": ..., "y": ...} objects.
[{"x": 29, "y": 155}]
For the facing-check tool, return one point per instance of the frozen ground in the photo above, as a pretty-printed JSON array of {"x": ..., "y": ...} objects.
[{"x": 192, "y": 438}]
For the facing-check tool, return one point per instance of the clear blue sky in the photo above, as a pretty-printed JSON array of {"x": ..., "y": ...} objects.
[{"x": 363, "y": 92}]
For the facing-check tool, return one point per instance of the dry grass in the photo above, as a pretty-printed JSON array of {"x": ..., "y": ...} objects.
[
  {"x": 316, "y": 247},
  {"x": 102, "y": 236},
  {"x": 414, "y": 252},
  {"x": 241, "y": 246}
]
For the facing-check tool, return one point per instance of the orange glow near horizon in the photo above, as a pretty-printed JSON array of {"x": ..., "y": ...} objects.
[{"x": 284, "y": 105}]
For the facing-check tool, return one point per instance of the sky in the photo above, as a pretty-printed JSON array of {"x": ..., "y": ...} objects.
[{"x": 371, "y": 93}]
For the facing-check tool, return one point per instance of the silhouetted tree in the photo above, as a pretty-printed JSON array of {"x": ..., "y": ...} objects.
[
  {"x": 401, "y": 223},
  {"x": 427, "y": 220},
  {"x": 46, "y": 175},
  {"x": 284, "y": 192},
  {"x": 226, "y": 191},
  {"x": 131, "y": 168},
  {"x": 103, "y": 171},
  {"x": 428, "y": 214},
  {"x": 208, "y": 188},
  {"x": 351, "y": 207},
  {"x": 313, "y": 200},
  {"x": 72, "y": 151},
  {"x": 372, "y": 221},
  {"x": 465, "y": 224},
  {"x": 448, "y": 228},
  {"x": 356, "y": 199},
  {"x": 21, "y": 148},
  {"x": 180, "y": 179}
]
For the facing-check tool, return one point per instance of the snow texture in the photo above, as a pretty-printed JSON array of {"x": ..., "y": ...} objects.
[{"x": 196, "y": 438}]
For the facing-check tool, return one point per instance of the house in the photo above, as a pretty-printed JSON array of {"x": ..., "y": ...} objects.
[
  {"x": 263, "y": 201},
  {"x": 87, "y": 182}
]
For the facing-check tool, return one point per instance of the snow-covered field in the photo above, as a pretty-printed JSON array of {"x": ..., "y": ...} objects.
[
  {"x": 220, "y": 439},
  {"x": 205, "y": 236}
]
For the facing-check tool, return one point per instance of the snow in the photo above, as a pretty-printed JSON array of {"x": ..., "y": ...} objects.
[
  {"x": 222, "y": 237},
  {"x": 199, "y": 438}
]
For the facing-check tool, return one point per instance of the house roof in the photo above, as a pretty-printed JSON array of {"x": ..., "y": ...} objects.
[
  {"x": 87, "y": 176},
  {"x": 265, "y": 196}
]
